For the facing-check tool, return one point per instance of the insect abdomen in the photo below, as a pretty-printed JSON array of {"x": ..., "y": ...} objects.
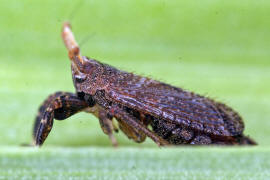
[{"x": 173, "y": 133}]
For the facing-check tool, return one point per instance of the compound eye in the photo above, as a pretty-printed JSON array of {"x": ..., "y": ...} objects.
[{"x": 79, "y": 78}]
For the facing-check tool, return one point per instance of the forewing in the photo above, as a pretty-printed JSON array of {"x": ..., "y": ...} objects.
[{"x": 175, "y": 105}]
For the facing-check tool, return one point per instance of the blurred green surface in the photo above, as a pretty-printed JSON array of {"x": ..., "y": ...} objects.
[
  {"x": 216, "y": 48},
  {"x": 135, "y": 163}
]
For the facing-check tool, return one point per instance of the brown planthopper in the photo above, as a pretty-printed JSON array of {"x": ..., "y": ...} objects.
[{"x": 142, "y": 107}]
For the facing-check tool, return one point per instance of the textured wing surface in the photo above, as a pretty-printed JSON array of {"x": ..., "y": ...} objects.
[{"x": 175, "y": 105}]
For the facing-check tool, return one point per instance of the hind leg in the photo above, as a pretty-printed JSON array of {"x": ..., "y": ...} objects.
[
  {"x": 106, "y": 123},
  {"x": 124, "y": 118},
  {"x": 131, "y": 132},
  {"x": 60, "y": 106}
]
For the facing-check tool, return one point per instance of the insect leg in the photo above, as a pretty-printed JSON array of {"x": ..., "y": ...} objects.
[
  {"x": 131, "y": 132},
  {"x": 123, "y": 116},
  {"x": 60, "y": 106},
  {"x": 107, "y": 126}
]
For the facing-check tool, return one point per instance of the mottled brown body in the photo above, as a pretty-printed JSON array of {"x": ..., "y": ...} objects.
[{"x": 141, "y": 106}]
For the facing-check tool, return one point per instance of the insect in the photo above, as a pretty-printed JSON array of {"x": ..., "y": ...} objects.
[{"x": 142, "y": 107}]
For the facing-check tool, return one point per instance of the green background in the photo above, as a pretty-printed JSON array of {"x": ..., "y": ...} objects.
[{"x": 219, "y": 49}]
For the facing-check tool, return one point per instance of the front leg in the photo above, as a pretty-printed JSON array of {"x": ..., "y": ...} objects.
[{"x": 60, "y": 106}]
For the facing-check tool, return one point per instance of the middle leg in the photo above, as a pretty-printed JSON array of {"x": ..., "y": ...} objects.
[{"x": 107, "y": 126}]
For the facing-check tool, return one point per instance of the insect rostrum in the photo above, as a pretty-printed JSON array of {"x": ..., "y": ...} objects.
[{"x": 142, "y": 107}]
